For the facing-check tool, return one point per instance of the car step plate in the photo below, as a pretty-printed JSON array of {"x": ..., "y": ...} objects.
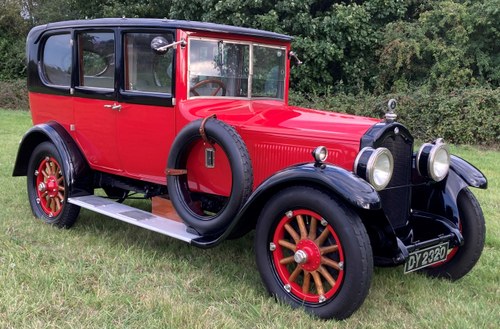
[
  {"x": 134, "y": 216},
  {"x": 425, "y": 257}
]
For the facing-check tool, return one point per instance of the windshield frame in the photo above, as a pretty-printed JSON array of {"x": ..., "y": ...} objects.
[{"x": 251, "y": 44}]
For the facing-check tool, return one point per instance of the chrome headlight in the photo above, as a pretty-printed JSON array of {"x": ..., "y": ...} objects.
[
  {"x": 375, "y": 166},
  {"x": 433, "y": 160}
]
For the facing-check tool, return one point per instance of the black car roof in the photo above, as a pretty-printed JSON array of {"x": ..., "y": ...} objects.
[{"x": 168, "y": 23}]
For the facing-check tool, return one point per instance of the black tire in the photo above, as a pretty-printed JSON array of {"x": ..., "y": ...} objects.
[
  {"x": 49, "y": 201},
  {"x": 241, "y": 171},
  {"x": 462, "y": 260},
  {"x": 117, "y": 193},
  {"x": 352, "y": 276}
]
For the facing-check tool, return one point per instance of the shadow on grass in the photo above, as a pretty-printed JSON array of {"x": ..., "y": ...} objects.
[{"x": 230, "y": 257}]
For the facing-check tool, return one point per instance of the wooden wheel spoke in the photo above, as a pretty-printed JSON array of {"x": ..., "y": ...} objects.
[
  {"x": 319, "y": 284},
  {"x": 322, "y": 237},
  {"x": 53, "y": 168},
  {"x": 60, "y": 179},
  {"x": 60, "y": 196},
  {"x": 312, "y": 228},
  {"x": 58, "y": 204},
  {"x": 329, "y": 249},
  {"x": 52, "y": 205},
  {"x": 295, "y": 274},
  {"x": 287, "y": 245},
  {"x": 286, "y": 260},
  {"x": 302, "y": 227},
  {"x": 307, "y": 282},
  {"x": 323, "y": 271},
  {"x": 45, "y": 175},
  {"x": 61, "y": 188},
  {"x": 47, "y": 168},
  {"x": 292, "y": 233},
  {"x": 331, "y": 263},
  {"x": 44, "y": 194}
]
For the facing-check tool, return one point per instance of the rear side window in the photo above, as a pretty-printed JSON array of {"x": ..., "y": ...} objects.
[
  {"x": 56, "y": 60},
  {"x": 97, "y": 59}
]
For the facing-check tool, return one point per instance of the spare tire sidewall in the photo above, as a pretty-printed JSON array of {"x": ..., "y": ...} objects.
[{"x": 232, "y": 145}]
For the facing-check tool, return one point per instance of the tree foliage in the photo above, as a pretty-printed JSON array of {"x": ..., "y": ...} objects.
[{"x": 374, "y": 46}]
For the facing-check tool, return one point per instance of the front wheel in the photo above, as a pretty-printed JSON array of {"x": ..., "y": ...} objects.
[
  {"x": 48, "y": 187},
  {"x": 462, "y": 259},
  {"x": 313, "y": 252}
]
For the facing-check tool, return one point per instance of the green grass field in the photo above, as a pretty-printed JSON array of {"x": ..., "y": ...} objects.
[{"x": 104, "y": 273}]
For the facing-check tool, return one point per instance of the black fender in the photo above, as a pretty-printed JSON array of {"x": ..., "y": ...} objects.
[
  {"x": 441, "y": 198},
  {"x": 468, "y": 173},
  {"x": 76, "y": 168},
  {"x": 345, "y": 184}
]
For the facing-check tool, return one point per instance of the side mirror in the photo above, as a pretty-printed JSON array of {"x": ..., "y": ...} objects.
[
  {"x": 161, "y": 45},
  {"x": 292, "y": 55},
  {"x": 158, "y": 45}
]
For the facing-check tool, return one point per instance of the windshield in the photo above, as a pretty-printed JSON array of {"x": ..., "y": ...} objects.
[{"x": 235, "y": 69}]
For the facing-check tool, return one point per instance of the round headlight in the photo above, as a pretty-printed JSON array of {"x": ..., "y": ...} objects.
[
  {"x": 375, "y": 166},
  {"x": 433, "y": 160},
  {"x": 320, "y": 154}
]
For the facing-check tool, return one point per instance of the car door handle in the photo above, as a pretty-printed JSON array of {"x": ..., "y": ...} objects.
[{"x": 116, "y": 107}]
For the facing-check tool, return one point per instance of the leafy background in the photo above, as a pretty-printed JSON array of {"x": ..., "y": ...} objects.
[{"x": 440, "y": 59}]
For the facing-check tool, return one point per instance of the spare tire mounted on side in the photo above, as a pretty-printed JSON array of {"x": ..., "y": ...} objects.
[{"x": 215, "y": 132}]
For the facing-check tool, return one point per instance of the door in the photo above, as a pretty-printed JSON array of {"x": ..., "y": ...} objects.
[
  {"x": 95, "y": 105},
  {"x": 145, "y": 125}
]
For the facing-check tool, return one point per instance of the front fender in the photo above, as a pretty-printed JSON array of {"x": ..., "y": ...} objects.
[
  {"x": 468, "y": 173},
  {"x": 341, "y": 182},
  {"x": 76, "y": 169},
  {"x": 441, "y": 198}
]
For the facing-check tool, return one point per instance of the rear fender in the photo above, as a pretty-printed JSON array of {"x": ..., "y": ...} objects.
[{"x": 76, "y": 169}]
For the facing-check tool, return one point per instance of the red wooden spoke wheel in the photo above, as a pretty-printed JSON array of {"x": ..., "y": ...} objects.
[
  {"x": 50, "y": 186},
  {"x": 308, "y": 256},
  {"x": 313, "y": 252}
]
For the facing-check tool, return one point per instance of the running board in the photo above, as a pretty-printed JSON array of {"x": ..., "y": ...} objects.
[{"x": 134, "y": 216}]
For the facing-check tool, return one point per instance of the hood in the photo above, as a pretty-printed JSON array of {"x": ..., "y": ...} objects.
[{"x": 274, "y": 117}]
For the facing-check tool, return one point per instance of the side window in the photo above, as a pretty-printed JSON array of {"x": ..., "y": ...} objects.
[
  {"x": 56, "y": 60},
  {"x": 97, "y": 59},
  {"x": 268, "y": 72},
  {"x": 145, "y": 70}
]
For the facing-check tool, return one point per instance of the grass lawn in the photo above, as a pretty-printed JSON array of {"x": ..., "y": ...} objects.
[{"x": 104, "y": 273}]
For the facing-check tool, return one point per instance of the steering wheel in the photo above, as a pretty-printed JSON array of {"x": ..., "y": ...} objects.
[{"x": 221, "y": 86}]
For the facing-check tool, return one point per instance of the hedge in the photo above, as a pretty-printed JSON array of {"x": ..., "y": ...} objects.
[{"x": 463, "y": 116}]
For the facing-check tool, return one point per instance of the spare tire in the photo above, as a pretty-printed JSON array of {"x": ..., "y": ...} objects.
[{"x": 233, "y": 146}]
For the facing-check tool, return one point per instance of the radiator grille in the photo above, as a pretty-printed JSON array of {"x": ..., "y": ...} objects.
[{"x": 396, "y": 197}]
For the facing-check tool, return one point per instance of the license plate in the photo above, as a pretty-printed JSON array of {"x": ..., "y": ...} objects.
[{"x": 425, "y": 257}]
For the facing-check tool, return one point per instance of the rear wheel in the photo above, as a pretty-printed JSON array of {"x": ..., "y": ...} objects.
[
  {"x": 313, "y": 252},
  {"x": 48, "y": 189},
  {"x": 462, "y": 259}
]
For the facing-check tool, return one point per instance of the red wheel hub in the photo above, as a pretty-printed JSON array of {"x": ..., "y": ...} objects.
[
  {"x": 307, "y": 256},
  {"x": 50, "y": 192},
  {"x": 313, "y": 260}
]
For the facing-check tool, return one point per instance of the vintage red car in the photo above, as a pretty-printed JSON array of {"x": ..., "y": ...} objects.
[{"x": 196, "y": 116}]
